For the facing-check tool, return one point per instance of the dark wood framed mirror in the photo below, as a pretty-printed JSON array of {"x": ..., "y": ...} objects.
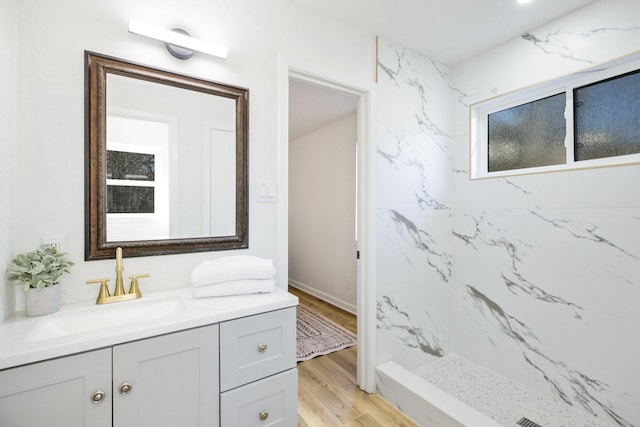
[{"x": 165, "y": 161}]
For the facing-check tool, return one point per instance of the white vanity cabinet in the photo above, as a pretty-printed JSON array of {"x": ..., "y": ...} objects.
[
  {"x": 239, "y": 371},
  {"x": 165, "y": 381},
  {"x": 258, "y": 378}
]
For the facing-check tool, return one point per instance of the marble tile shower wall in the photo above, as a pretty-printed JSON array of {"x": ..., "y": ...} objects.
[
  {"x": 414, "y": 207},
  {"x": 535, "y": 277},
  {"x": 546, "y": 282}
]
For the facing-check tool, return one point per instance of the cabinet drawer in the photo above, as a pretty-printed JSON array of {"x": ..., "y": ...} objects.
[
  {"x": 269, "y": 402},
  {"x": 256, "y": 347}
]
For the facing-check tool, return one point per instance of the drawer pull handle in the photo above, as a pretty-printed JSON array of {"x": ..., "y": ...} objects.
[
  {"x": 264, "y": 415},
  {"x": 97, "y": 397},
  {"x": 125, "y": 388},
  {"x": 262, "y": 348}
]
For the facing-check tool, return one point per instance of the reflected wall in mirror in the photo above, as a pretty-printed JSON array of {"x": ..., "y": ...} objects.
[{"x": 166, "y": 161}]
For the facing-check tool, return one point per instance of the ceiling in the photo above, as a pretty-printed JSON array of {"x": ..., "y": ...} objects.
[
  {"x": 313, "y": 107},
  {"x": 449, "y": 31}
]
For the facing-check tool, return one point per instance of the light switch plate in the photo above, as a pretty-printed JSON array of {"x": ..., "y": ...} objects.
[{"x": 268, "y": 191}]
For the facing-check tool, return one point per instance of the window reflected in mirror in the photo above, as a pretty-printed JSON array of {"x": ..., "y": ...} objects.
[
  {"x": 130, "y": 183},
  {"x": 137, "y": 177}
]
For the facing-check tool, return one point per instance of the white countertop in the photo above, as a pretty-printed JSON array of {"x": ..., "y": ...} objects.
[{"x": 86, "y": 326}]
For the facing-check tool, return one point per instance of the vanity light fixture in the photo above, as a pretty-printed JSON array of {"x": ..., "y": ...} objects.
[{"x": 179, "y": 43}]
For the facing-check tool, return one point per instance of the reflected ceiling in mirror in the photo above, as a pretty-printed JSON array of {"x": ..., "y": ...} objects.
[{"x": 166, "y": 161}]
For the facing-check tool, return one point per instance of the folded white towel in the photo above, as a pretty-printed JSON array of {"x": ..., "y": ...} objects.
[
  {"x": 238, "y": 267},
  {"x": 236, "y": 287}
]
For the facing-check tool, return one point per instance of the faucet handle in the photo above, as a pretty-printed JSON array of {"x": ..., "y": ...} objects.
[
  {"x": 104, "y": 289},
  {"x": 134, "y": 289}
]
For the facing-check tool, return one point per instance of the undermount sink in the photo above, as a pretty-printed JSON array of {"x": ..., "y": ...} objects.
[{"x": 100, "y": 317}]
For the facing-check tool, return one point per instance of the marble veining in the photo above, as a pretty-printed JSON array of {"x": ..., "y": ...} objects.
[
  {"x": 423, "y": 118},
  {"x": 398, "y": 155},
  {"x": 394, "y": 157},
  {"x": 391, "y": 317},
  {"x": 514, "y": 241},
  {"x": 571, "y": 385},
  {"x": 517, "y": 187},
  {"x": 414, "y": 213},
  {"x": 393, "y": 73},
  {"x": 513, "y": 278},
  {"x": 559, "y": 42},
  {"x": 587, "y": 231},
  {"x": 423, "y": 242},
  {"x": 401, "y": 69},
  {"x": 463, "y": 98}
]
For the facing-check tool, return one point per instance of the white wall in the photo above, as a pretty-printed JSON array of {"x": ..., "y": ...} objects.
[
  {"x": 546, "y": 278},
  {"x": 8, "y": 129},
  {"x": 322, "y": 203},
  {"x": 50, "y": 145}
]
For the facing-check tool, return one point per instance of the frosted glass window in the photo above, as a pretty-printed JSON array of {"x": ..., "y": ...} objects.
[
  {"x": 607, "y": 118},
  {"x": 527, "y": 135},
  {"x": 587, "y": 119}
]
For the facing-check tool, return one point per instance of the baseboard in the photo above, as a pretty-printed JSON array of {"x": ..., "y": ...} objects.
[{"x": 351, "y": 308}]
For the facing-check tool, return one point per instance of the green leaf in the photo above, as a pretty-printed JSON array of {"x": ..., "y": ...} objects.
[{"x": 40, "y": 268}]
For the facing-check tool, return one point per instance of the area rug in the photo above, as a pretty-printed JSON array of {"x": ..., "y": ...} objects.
[{"x": 316, "y": 335}]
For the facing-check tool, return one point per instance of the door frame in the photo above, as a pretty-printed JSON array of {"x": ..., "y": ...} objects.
[{"x": 365, "y": 221}]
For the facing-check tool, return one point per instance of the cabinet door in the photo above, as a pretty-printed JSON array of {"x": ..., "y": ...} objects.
[
  {"x": 58, "y": 393},
  {"x": 170, "y": 380}
]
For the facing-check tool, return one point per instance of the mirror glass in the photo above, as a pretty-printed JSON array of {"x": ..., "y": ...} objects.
[{"x": 166, "y": 161}]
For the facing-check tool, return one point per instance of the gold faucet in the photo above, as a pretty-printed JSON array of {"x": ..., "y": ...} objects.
[
  {"x": 104, "y": 297},
  {"x": 119, "y": 288}
]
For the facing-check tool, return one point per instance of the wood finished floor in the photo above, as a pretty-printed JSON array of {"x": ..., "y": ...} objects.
[{"x": 327, "y": 390}]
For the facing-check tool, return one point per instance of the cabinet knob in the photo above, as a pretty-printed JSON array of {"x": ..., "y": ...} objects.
[
  {"x": 125, "y": 388},
  {"x": 98, "y": 396},
  {"x": 262, "y": 348},
  {"x": 263, "y": 415}
]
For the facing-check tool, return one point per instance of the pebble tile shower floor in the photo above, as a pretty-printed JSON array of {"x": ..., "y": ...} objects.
[{"x": 500, "y": 398}]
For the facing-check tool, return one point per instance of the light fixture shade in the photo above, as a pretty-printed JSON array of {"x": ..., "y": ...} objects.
[
  {"x": 179, "y": 51},
  {"x": 177, "y": 39}
]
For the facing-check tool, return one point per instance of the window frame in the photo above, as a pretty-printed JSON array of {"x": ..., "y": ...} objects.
[
  {"x": 160, "y": 186},
  {"x": 479, "y": 114},
  {"x": 117, "y": 182},
  {"x": 160, "y": 218}
]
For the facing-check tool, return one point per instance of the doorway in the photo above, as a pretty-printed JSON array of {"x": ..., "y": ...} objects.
[
  {"x": 362, "y": 98},
  {"x": 322, "y": 193}
]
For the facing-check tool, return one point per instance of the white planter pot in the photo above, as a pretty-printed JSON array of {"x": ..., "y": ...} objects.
[{"x": 39, "y": 302}]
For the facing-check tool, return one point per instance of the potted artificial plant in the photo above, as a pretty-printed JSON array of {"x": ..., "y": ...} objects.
[{"x": 39, "y": 274}]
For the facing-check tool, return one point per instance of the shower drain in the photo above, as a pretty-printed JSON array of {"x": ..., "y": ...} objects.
[{"x": 526, "y": 422}]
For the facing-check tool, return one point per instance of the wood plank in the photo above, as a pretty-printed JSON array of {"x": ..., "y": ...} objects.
[{"x": 327, "y": 390}]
